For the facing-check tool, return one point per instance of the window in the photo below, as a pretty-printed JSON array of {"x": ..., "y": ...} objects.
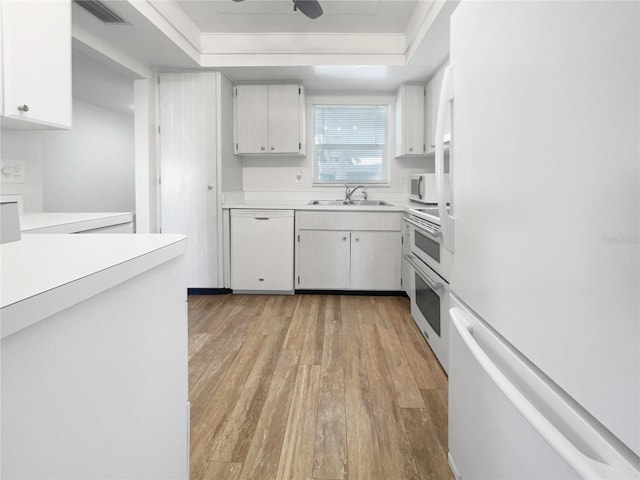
[{"x": 350, "y": 144}]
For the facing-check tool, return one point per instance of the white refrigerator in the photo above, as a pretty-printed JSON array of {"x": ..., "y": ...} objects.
[{"x": 544, "y": 361}]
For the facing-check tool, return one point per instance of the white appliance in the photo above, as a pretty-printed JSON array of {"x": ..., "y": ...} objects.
[
  {"x": 429, "y": 299},
  {"x": 262, "y": 251},
  {"x": 422, "y": 188},
  {"x": 544, "y": 359}
]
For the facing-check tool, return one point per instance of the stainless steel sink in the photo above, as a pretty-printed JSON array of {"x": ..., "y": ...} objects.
[
  {"x": 369, "y": 202},
  {"x": 350, "y": 203},
  {"x": 328, "y": 202}
]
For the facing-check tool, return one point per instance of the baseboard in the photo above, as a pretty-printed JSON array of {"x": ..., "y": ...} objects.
[
  {"x": 208, "y": 291},
  {"x": 368, "y": 293}
]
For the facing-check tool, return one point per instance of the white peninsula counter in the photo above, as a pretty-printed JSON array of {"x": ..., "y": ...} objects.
[{"x": 94, "y": 357}]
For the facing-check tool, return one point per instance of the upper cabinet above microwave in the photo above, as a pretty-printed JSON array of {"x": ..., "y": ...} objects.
[
  {"x": 269, "y": 119},
  {"x": 35, "y": 77},
  {"x": 410, "y": 103}
]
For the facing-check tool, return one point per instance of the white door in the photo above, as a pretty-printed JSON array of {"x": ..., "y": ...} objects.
[
  {"x": 284, "y": 118},
  {"x": 547, "y": 192},
  {"x": 36, "y": 56},
  {"x": 375, "y": 260},
  {"x": 323, "y": 259},
  {"x": 252, "y": 125},
  {"x": 188, "y": 168}
]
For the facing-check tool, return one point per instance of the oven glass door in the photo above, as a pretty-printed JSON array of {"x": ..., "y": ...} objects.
[
  {"x": 428, "y": 302},
  {"x": 427, "y": 245}
]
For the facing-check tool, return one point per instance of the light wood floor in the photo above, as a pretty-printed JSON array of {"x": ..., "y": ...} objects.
[{"x": 313, "y": 387}]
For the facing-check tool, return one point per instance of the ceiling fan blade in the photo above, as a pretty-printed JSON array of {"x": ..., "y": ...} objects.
[{"x": 311, "y": 8}]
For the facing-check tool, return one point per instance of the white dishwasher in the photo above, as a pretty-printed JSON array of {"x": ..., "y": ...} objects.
[{"x": 262, "y": 251}]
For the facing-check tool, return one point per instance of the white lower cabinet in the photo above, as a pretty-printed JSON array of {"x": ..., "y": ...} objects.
[
  {"x": 375, "y": 260},
  {"x": 324, "y": 259},
  {"x": 332, "y": 256}
]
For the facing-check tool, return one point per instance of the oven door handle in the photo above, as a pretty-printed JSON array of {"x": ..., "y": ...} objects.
[
  {"x": 432, "y": 233},
  {"x": 435, "y": 286}
]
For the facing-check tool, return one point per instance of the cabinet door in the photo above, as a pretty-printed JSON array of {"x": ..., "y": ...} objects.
[
  {"x": 284, "y": 119},
  {"x": 188, "y": 167},
  {"x": 252, "y": 126},
  {"x": 411, "y": 115},
  {"x": 323, "y": 259},
  {"x": 36, "y": 56},
  {"x": 375, "y": 260},
  {"x": 432, "y": 99}
]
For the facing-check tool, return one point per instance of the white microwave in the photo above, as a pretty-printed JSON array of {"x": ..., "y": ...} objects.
[{"x": 422, "y": 187}]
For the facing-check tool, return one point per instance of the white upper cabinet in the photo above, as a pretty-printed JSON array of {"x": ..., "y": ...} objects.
[
  {"x": 269, "y": 119},
  {"x": 432, "y": 98},
  {"x": 36, "y": 63},
  {"x": 410, "y": 118}
]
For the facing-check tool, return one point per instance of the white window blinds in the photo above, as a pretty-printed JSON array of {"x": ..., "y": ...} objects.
[{"x": 350, "y": 144}]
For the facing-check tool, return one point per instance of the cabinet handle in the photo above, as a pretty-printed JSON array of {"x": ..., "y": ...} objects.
[
  {"x": 357, "y": 239},
  {"x": 210, "y": 187},
  {"x": 344, "y": 238},
  {"x": 411, "y": 149},
  {"x": 272, "y": 147},
  {"x": 23, "y": 108},
  {"x": 262, "y": 148}
]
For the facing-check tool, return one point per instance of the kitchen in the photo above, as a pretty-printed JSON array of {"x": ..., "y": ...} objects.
[{"x": 501, "y": 203}]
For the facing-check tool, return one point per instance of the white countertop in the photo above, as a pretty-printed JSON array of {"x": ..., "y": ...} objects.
[
  {"x": 60, "y": 222},
  {"x": 304, "y": 205},
  {"x": 43, "y": 274}
]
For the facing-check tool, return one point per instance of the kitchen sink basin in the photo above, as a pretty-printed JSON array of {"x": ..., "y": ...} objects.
[
  {"x": 350, "y": 203},
  {"x": 369, "y": 202},
  {"x": 327, "y": 202}
]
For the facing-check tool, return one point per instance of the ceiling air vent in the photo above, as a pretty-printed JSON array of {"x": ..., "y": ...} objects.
[{"x": 100, "y": 11}]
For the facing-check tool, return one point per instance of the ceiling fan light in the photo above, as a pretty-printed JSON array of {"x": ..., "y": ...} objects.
[{"x": 311, "y": 8}]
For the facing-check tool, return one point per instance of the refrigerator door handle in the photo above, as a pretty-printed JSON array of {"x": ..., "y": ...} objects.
[
  {"x": 583, "y": 464},
  {"x": 447, "y": 221}
]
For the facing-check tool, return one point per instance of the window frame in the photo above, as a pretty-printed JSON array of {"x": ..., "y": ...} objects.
[{"x": 346, "y": 100}]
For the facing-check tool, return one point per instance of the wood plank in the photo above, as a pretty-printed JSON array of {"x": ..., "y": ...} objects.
[
  {"x": 395, "y": 448},
  {"x": 407, "y": 391},
  {"x": 330, "y": 459},
  {"x": 222, "y": 471},
  {"x": 236, "y": 437},
  {"x": 263, "y": 456},
  {"x": 349, "y": 314},
  {"x": 428, "y": 453},
  {"x": 205, "y": 432},
  {"x": 206, "y": 370},
  {"x": 296, "y": 459},
  {"x": 314, "y": 335},
  {"x": 363, "y": 451},
  {"x": 436, "y": 402},
  {"x": 298, "y": 327},
  {"x": 415, "y": 350},
  {"x": 196, "y": 342}
]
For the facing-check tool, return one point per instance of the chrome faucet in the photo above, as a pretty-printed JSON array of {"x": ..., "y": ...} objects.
[{"x": 349, "y": 191}]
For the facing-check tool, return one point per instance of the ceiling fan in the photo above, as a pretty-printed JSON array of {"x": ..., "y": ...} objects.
[{"x": 311, "y": 8}]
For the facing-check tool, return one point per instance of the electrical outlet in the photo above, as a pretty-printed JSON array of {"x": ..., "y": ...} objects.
[
  {"x": 298, "y": 176},
  {"x": 13, "y": 171},
  {"x": 403, "y": 180}
]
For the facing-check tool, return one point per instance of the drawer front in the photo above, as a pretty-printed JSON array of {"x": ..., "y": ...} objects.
[{"x": 376, "y": 221}]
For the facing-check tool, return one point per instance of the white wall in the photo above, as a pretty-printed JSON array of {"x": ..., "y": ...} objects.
[
  {"x": 279, "y": 174},
  {"x": 91, "y": 167},
  {"x": 24, "y": 145}
]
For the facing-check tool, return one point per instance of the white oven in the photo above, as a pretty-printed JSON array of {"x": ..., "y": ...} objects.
[
  {"x": 430, "y": 307},
  {"x": 425, "y": 242}
]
